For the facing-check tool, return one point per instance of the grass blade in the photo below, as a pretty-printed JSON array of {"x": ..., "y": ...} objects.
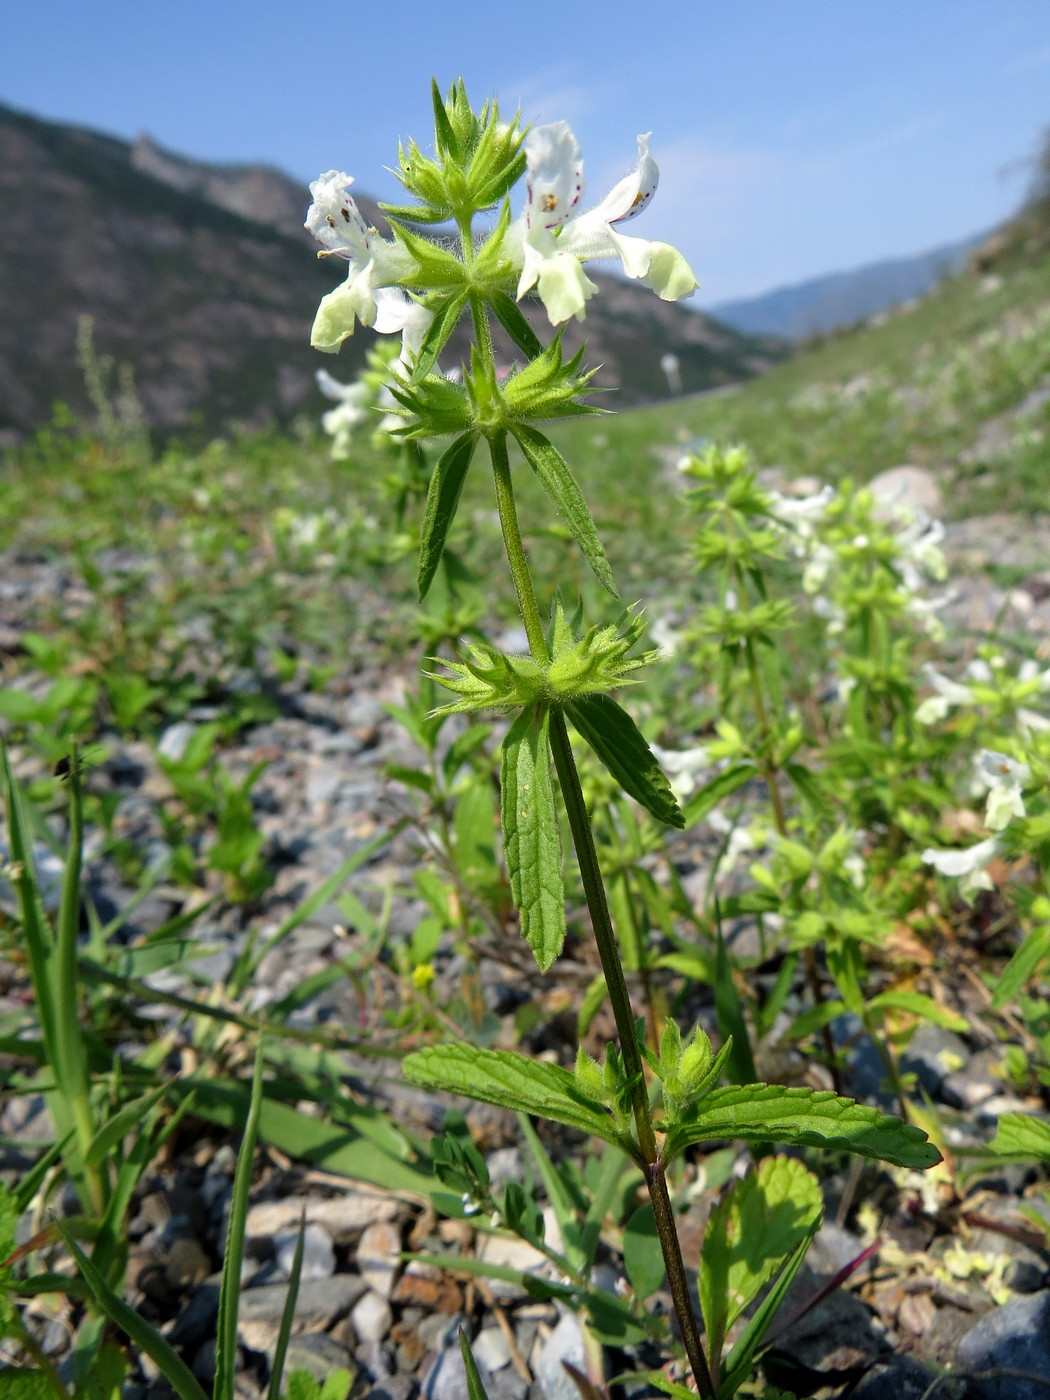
[
  {"x": 230, "y": 1289},
  {"x": 287, "y": 1315},
  {"x": 168, "y": 1361}
]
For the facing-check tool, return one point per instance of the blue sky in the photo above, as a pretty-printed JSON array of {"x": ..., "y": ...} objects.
[{"x": 795, "y": 137}]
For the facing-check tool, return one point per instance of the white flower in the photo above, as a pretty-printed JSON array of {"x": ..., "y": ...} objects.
[
  {"x": 376, "y": 264},
  {"x": 967, "y": 866},
  {"x": 949, "y": 693},
  {"x": 683, "y": 767},
  {"x": 555, "y": 239},
  {"x": 341, "y": 422},
  {"x": 800, "y": 513},
  {"x": 666, "y": 636},
  {"x": 1003, "y": 777}
]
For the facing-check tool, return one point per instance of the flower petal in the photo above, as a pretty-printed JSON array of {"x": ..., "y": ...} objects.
[{"x": 554, "y": 175}]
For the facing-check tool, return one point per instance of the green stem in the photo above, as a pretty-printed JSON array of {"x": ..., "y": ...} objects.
[
  {"x": 652, "y": 1165},
  {"x": 519, "y": 566}
]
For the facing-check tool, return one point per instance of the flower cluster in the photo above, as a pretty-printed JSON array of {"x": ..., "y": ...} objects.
[{"x": 399, "y": 284}]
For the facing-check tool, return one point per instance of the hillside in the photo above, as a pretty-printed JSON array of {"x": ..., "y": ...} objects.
[
  {"x": 957, "y": 383},
  {"x": 840, "y": 299},
  {"x": 202, "y": 279}
]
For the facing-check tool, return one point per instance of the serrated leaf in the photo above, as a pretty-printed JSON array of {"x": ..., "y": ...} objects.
[
  {"x": 509, "y": 315},
  {"x": 642, "y": 1256},
  {"x": 618, "y": 742},
  {"x": 560, "y": 485},
  {"x": 532, "y": 835},
  {"x": 757, "y": 1224},
  {"x": 712, "y": 793},
  {"x": 446, "y": 487},
  {"x": 1020, "y": 1135},
  {"x": 802, "y": 1118},
  {"x": 510, "y": 1081}
]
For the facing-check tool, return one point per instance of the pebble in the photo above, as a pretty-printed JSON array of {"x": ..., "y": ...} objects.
[
  {"x": 933, "y": 1054},
  {"x": 491, "y": 1349},
  {"x": 372, "y": 1317},
  {"x": 975, "y": 1082},
  {"x": 318, "y": 1260},
  {"x": 1017, "y": 1336},
  {"x": 379, "y": 1257},
  {"x": 343, "y": 1217},
  {"x": 565, "y": 1343},
  {"x": 319, "y": 1304},
  {"x": 318, "y": 1354}
]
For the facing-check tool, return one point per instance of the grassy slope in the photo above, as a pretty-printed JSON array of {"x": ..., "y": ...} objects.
[{"x": 922, "y": 387}]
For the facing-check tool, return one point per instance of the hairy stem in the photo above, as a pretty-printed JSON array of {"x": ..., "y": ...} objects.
[
  {"x": 654, "y": 1168},
  {"x": 519, "y": 565}
]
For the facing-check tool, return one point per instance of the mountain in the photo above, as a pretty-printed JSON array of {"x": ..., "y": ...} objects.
[
  {"x": 203, "y": 280},
  {"x": 843, "y": 298}
]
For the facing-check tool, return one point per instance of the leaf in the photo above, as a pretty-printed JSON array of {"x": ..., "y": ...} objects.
[
  {"x": 446, "y": 487},
  {"x": 751, "y": 1231},
  {"x": 130, "y": 1117},
  {"x": 475, "y": 1388},
  {"x": 919, "y": 1005},
  {"x": 284, "y": 1332},
  {"x": 803, "y": 1118},
  {"x": 167, "y": 1360},
  {"x": 618, "y": 742},
  {"x": 1034, "y": 947},
  {"x": 510, "y": 317},
  {"x": 16, "y": 1383},
  {"x": 510, "y": 1081},
  {"x": 642, "y": 1256},
  {"x": 560, "y": 485},
  {"x": 436, "y": 338},
  {"x": 1020, "y": 1135},
  {"x": 233, "y": 1257},
  {"x": 333, "y": 1147},
  {"x": 731, "y": 1022},
  {"x": 532, "y": 835},
  {"x": 712, "y": 793}
]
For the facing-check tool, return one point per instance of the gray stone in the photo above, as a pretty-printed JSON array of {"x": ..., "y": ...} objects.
[
  {"x": 318, "y": 1255},
  {"x": 932, "y": 1054},
  {"x": 968, "y": 1087},
  {"x": 902, "y": 1378},
  {"x": 319, "y": 1304},
  {"x": 1016, "y": 1336},
  {"x": 344, "y": 1217},
  {"x": 173, "y": 742},
  {"x": 379, "y": 1257},
  {"x": 372, "y": 1317},
  {"x": 565, "y": 1343},
  {"x": 491, "y": 1349},
  {"x": 319, "y": 1354}
]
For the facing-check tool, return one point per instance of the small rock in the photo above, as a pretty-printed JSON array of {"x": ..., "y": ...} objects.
[
  {"x": 320, "y": 1355},
  {"x": 372, "y": 1317},
  {"x": 186, "y": 1264},
  {"x": 491, "y": 1349},
  {"x": 1016, "y": 1335},
  {"x": 318, "y": 1255},
  {"x": 344, "y": 1217},
  {"x": 319, "y": 1304},
  {"x": 565, "y": 1343},
  {"x": 977, "y": 1081},
  {"x": 902, "y": 1378},
  {"x": 175, "y": 740},
  {"x": 932, "y": 1054},
  {"x": 511, "y": 1253},
  {"x": 906, "y": 489},
  {"x": 379, "y": 1257}
]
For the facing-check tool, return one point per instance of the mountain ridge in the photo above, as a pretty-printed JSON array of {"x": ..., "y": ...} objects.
[{"x": 201, "y": 278}]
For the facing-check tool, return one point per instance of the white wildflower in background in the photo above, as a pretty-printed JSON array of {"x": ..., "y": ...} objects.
[
  {"x": 683, "y": 767},
  {"x": 949, "y": 693},
  {"x": 968, "y": 866},
  {"x": 351, "y": 411},
  {"x": 799, "y": 514},
  {"x": 1003, "y": 778},
  {"x": 666, "y": 636},
  {"x": 554, "y": 239}
]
